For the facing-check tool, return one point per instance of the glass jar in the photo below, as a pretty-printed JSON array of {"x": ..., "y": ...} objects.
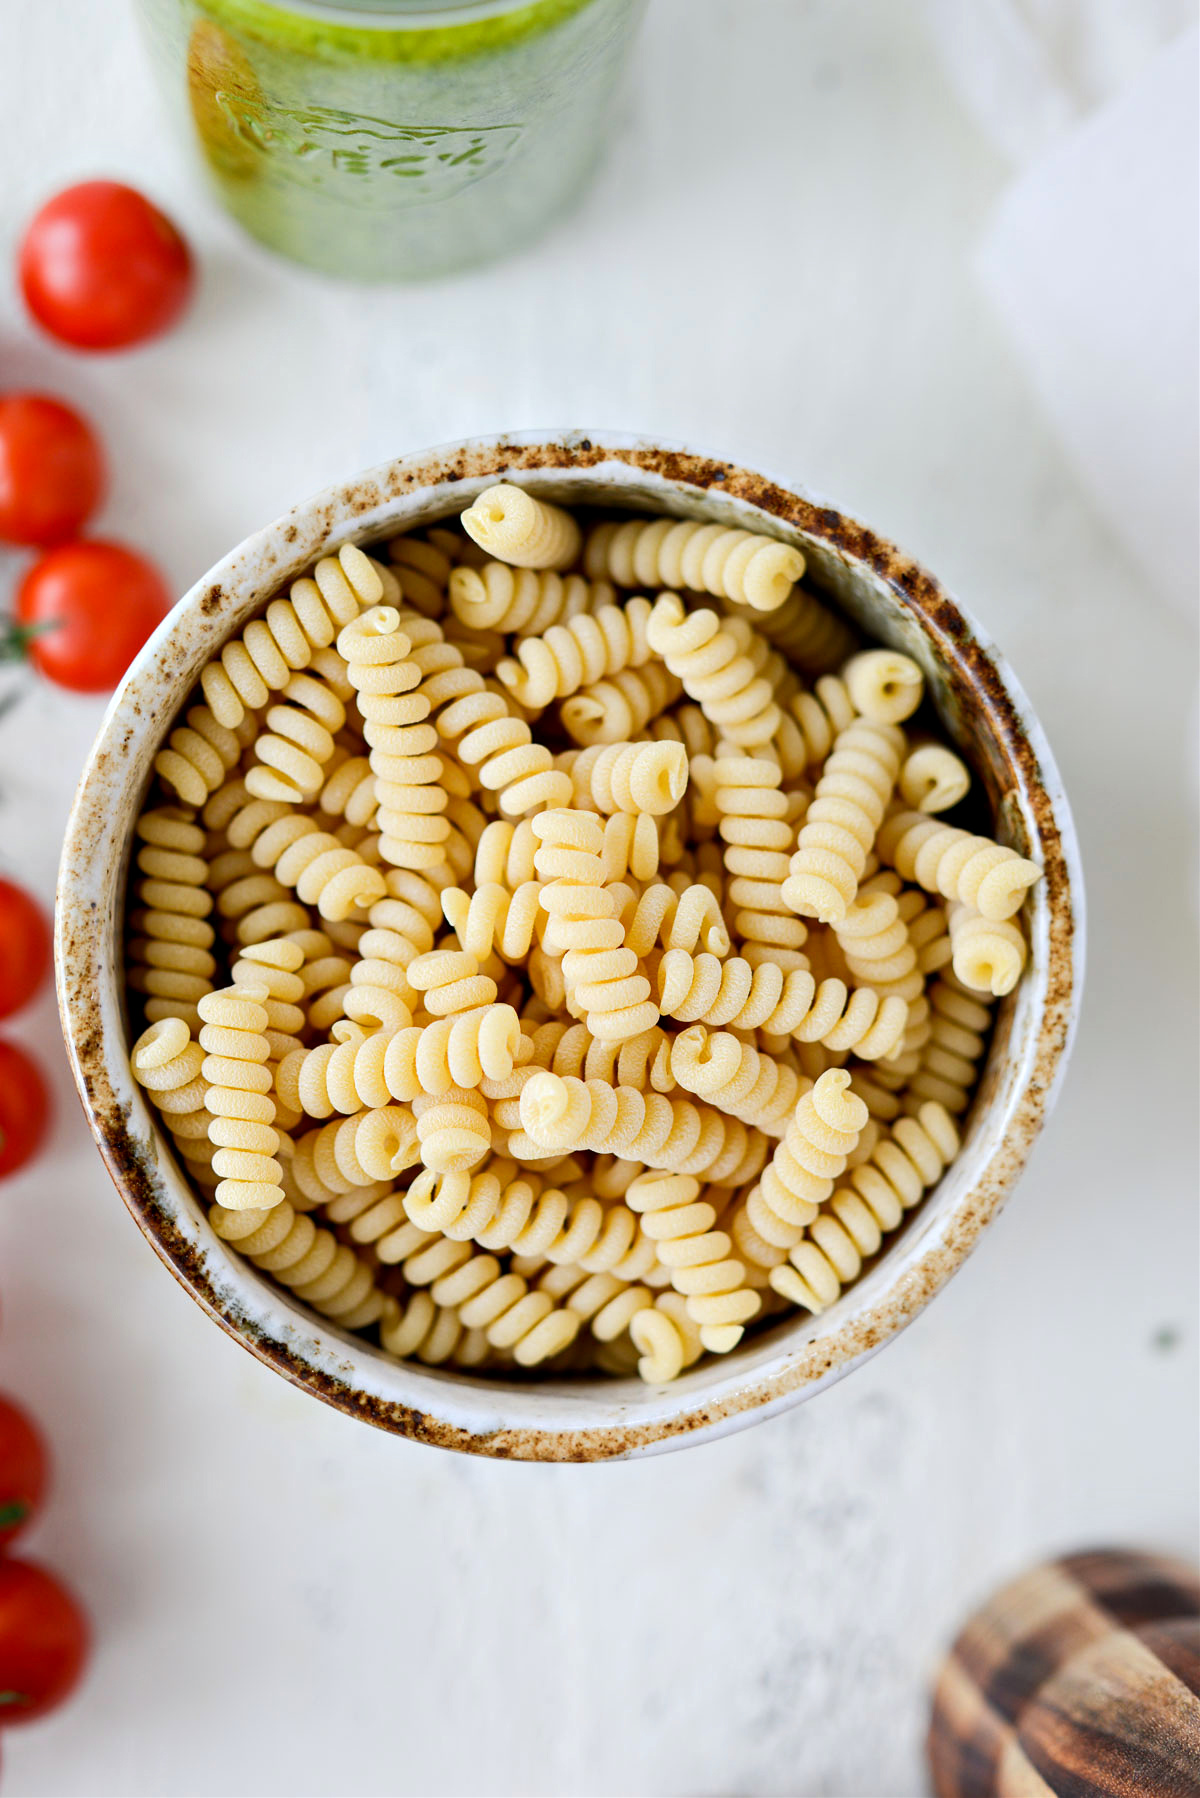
[{"x": 393, "y": 139}]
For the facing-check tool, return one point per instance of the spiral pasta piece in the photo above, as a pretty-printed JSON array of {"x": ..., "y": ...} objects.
[
  {"x": 704, "y": 655},
  {"x": 501, "y": 1207},
  {"x": 754, "y": 828},
  {"x": 479, "y": 725},
  {"x": 800, "y": 1175},
  {"x": 275, "y": 964},
  {"x": 680, "y": 1224},
  {"x": 416, "y": 1328},
  {"x": 988, "y": 954},
  {"x": 656, "y": 1129},
  {"x": 407, "y": 769},
  {"x": 812, "y": 637},
  {"x": 523, "y": 600},
  {"x": 884, "y": 685},
  {"x": 170, "y": 958},
  {"x": 850, "y": 1227},
  {"x": 423, "y": 569},
  {"x": 169, "y": 1065},
  {"x": 819, "y": 717},
  {"x": 684, "y": 553},
  {"x": 504, "y": 854},
  {"x": 739, "y": 996},
  {"x": 320, "y": 869},
  {"x": 662, "y": 916},
  {"x": 974, "y": 870},
  {"x": 518, "y": 528},
  {"x": 525, "y": 1323},
  {"x": 262, "y": 661},
  {"x": 590, "y": 647},
  {"x": 749, "y": 1084},
  {"x": 493, "y": 918},
  {"x": 932, "y": 778},
  {"x": 840, "y": 826},
  {"x": 948, "y": 1067},
  {"x": 239, "y": 1098},
  {"x": 874, "y": 939},
  {"x": 600, "y": 970},
  {"x": 453, "y": 1129},
  {"x": 613, "y": 711},
  {"x": 317, "y": 1269},
  {"x": 291, "y": 754},
  {"x": 630, "y": 777}
]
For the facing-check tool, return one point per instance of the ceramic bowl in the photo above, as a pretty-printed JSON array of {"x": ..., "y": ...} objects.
[{"x": 983, "y": 710}]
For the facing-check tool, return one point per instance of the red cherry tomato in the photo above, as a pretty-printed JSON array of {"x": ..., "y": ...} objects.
[
  {"x": 24, "y": 1107},
  {"x": 101, "y": 268},
  {"x": 22, "y": 1471},
  {"x": 43, "y": 1641},
  {"x": 51, "y": 470},
  {"x": 84, "y": 611},
  {"x": 24, "y": 947}
]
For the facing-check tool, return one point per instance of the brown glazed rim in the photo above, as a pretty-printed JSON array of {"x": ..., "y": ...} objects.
[{"x": 561, "y": 1420}]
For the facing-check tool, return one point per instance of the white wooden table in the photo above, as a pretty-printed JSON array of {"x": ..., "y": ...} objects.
[{"x": 775, "y": 264}]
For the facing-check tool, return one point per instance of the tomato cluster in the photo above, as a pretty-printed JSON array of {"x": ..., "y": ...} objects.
[
  {"x": 100, "y": 269},
  {"x": 43, "y": 1631}
]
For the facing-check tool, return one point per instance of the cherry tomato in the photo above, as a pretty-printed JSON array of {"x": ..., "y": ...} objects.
[
  {"x": 101, "y": 268},
  {"x": 51, "y": 470},
  {"x": 22, "y": 1470},
  {"x": 43, "y": 1641},
  {"x": 84, "y": 611},
  {"x": 24, "y": 947},
  {"x": 24, "y": 1107}
]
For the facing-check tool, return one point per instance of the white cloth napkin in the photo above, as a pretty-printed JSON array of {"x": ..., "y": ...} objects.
[{"x": 1091, "y": 258}]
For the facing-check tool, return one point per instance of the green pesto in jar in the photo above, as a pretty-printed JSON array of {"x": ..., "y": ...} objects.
[{"x": 391, "y": 150}]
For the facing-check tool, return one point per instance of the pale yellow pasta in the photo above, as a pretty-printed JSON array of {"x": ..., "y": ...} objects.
[
  {"x": 407, "y": 769},
  {"x": 840, "y": 826},
  {"x": 590, "y": 647},
  {"x": 493, "y": 918},
  {"x": 800, "y": 1175},
  {"x": 974, "y": 870},
  {"x": 574, "y": 1129},
  {"x": 453, "y": 1129},
  {"x": 874, "y": 939},
  {"x": 600, "y": 970},
  {"x": 169, "y": 1065},
  {"x": 818, "y": 717},
  {"x": 932, "y": 778},
  {"x": 262, "y": 661},
  {"x": 523, "y": 600},
  {"x": 736, "y": 994},
  {"x": 851, "y": 1225},
  {"x": 518, "y": 528},
  {"x": 697, "y": 1256},
  {"x": 884, "y": 685},
  {"x": 239, "y": 1098},
  {"x": 291, "y": 754},
  {"x": 478, "y": 724},
  {"x": 630, "y": 777},
  {"x": 761, "y": 1089},
  {"x": 705, "y": 656},
  {"x": 416, "y": 1329},
  {"x": 988, "y": 954},
  {"x": 758, "y": 839},
  {"x": 316, "y": 1268},
  {"x": 743, "y": 566},
  {"x": 656, "y": 1129},
  {"x": 812, "y": 637},
  {"x": 614, "y": 710},
  {"x": 423, "y": 569},
  {"x": 170, "y": 955}
]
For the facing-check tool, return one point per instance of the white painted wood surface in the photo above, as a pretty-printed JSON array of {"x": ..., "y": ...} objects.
[{"x": 775, "y": 263}]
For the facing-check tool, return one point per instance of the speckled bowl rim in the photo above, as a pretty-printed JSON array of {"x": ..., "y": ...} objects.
[{"x": 574, "y": 1420}]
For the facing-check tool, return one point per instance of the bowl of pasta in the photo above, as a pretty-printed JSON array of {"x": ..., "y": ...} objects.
[{"x": 565, "y": 944}]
